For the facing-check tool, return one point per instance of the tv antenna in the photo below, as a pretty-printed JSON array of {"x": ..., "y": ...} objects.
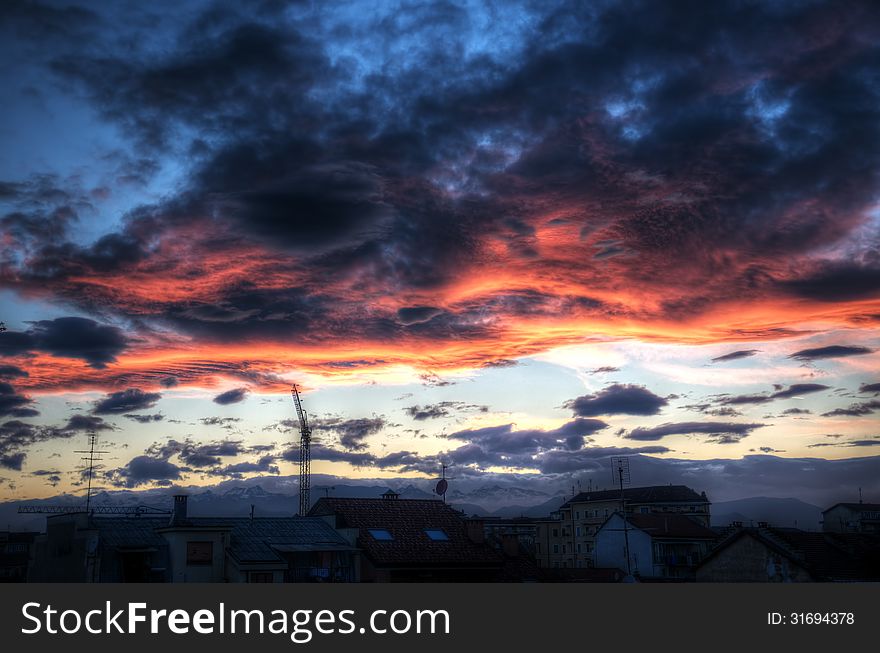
[
  {"x": 442, "y": 484},
  {"x": 620, "y": 474},
  {"x": 90, "y": 457}
]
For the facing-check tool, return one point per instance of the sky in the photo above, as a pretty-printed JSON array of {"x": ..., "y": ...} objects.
[{"x": 516, "y": 238}]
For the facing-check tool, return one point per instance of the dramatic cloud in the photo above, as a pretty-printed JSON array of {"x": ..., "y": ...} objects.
[
  {"x": 14, "y": 404},
  {"x": 126, "y": 401},
  {"x": 88, "y": 423},
  {"x": 234, "y": 196},
  {"x": 233, "y": 396},
  {"x": 194, "y": 454},
  {"x": 831, "y": 351},
  {"x": 351, "y": 432},
  {"x": 721, "y": 432},
  {"x": 265, "y": 465},
  {"x": 618, "y": 400},
  {"x": 17, "y": 436},
  {"x": 873, "y": 388},
  {"x": 145, "y": 469},
  {"x": 67, "y": 337},
  {"x": 12, "y": 372}
]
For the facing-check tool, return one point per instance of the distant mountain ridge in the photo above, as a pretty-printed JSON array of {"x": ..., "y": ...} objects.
[{"x": 277, "y": 496}]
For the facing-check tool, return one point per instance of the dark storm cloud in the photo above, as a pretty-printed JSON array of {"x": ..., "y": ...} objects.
[
  {"x": 721, "y": 432},
  {"x": 416, "y": 314},
  {"x": 735, "y": 355},
  {"x": 351, "y": 432},
  {"x": 840, "y": 282},
  {"x": 142, "y": 470},
  {"x": 14, "y": 404},
  {"x": 88, "y": 423},
  {"x": 264, "y": 465},
  {"x": 194, "y": 454},
  {"x": 12, "y": 372},
  {"x": 618, "y": 399},
  {"x": 126, "y": 401},
  {"x": 233, "y": 396},
  {"x": 873, "y": 388},
  {"x": 402, "y": 178},
  {"x": 831, "y": 351},
  {"x": 17, "y": 436},
  {"x": 13, "y": 461},
  {"x": 67, "y": 337},
  {"x": 504, "y": 439}
]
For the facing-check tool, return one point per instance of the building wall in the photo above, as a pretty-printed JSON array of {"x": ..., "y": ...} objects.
[
  {"x": 844, "y": 519},
  {"x": 575, "y": 526},
  {"x": 749, "y": 560},
  {"x": 181, "y": 572},
  {"x": 611, "y": 548}
]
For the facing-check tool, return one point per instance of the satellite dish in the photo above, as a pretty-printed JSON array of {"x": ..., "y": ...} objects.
[{"x": 442, "y": 486}]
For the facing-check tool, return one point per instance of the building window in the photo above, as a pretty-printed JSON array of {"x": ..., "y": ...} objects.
[
  {"x": 577, "y": 515},
  {"x": 579, "y": 547},
  {"x": 578, "y": 531},
  {"x": 555, "y": 548},
  {"x": 199, "y": 553},
  {"x": 261, "y": 577},
  {"x": 380, "y": 534},
  {"x": 538, "y": 547},
  {"x": 563, "y": 548},
  {"x": 555, "y": 532},
  {"x": 436, "y": 534},
  {"x": 644, "y": 510}
]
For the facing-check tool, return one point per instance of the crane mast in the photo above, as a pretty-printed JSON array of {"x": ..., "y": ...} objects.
[{"x": 305, "y": 456}]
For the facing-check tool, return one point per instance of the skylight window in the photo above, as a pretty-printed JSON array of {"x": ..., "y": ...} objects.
[
  {"x": 381, "y": 534},
  {"x": 437, "y": 535}
]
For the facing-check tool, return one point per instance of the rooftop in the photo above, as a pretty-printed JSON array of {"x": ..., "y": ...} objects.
[
  {"x": 827, "y": 556},
  {"x": 872, "y": 507},
  {"x": 647, "y": 494},
  {"x": 671, "y": 526},
  {"x": 255, "y": 539},
  {"x": 407, "y": 522}
]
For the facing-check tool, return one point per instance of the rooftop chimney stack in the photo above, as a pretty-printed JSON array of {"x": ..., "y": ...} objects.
[{"x": 178, "y": 515}]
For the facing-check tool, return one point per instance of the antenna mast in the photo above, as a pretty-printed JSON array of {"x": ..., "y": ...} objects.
[
  {"x": 305, "y": 455},
  {"x": 620, "y": 471},
  {"x": 90, "y": 458}
]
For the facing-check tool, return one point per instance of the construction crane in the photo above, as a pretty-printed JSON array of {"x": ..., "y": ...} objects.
[
  {"x": 305, "y": 455},
  {"x": 95, "y": 510}
]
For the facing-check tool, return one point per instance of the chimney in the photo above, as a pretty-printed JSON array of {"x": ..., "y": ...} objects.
[{"x": 178, "y": 514}]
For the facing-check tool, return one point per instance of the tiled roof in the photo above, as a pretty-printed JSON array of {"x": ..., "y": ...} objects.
[
  {"x": 648, "y": 494},
  {"x": 407, "y": 520},
  {"x": 827, "y": 556},
  {"x": 129, "y": 532},
  {"x": 873, "y": 507},
  {"x": 251, "y": 540},
  {"x": 671, "y": 526}
]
